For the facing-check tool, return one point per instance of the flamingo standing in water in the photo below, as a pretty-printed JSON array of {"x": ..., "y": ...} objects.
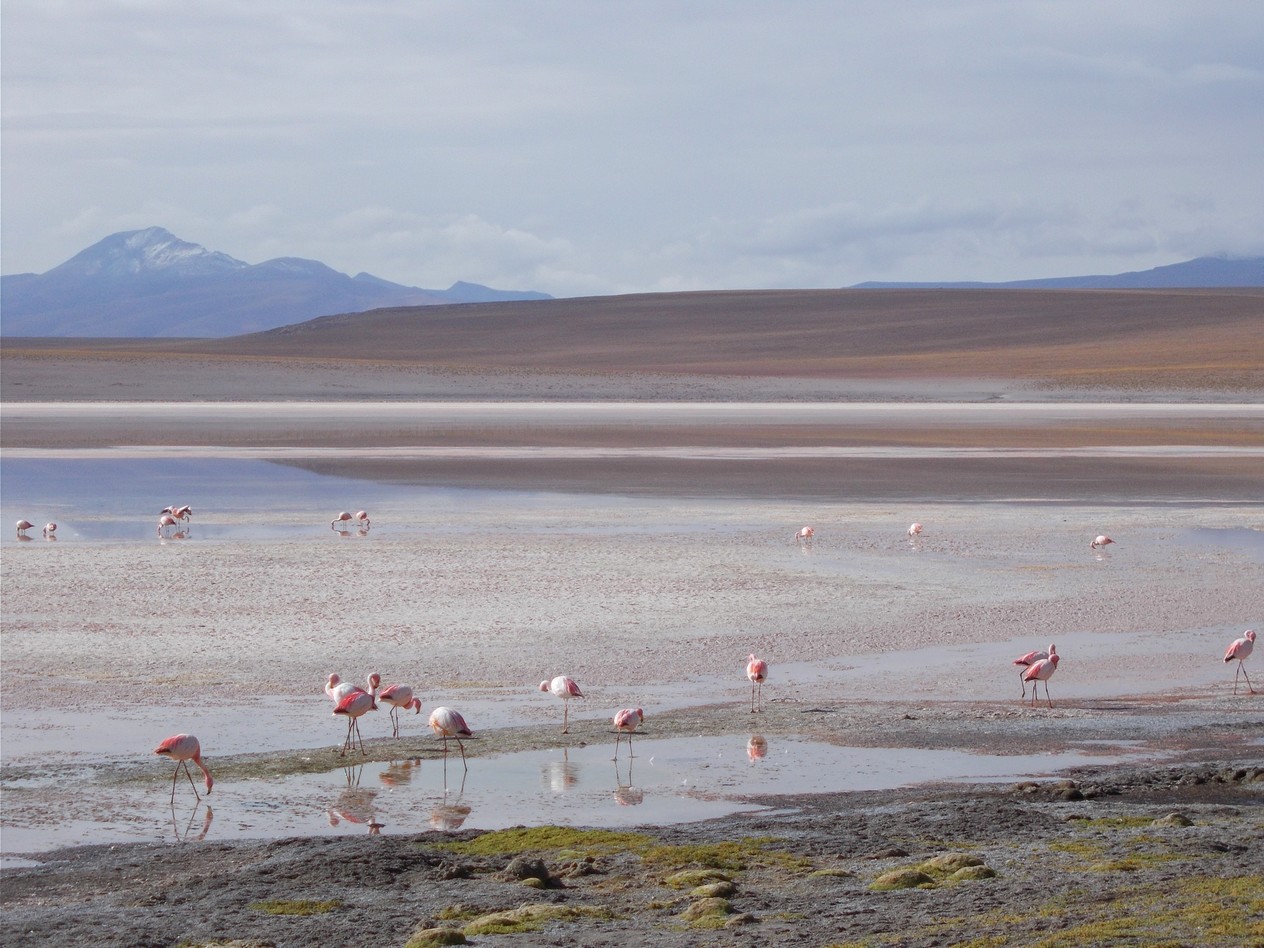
[
  {"x": 343, "y": 517},
  {"x": 447, "y": 723},
  {"x": 1241, "y": 651},
  {"x": 805, "y": 535},
  {"x": 1026, "y": 661},
  {"x": 183, "y": 748},
  {"x": 355, "y": 705},
  {"x": 49, "y": 530},
  {"x": 565, "y": 688},
  {"x": 625, "y": 722},
  {"x": 337, "y": 689},
  {"x": 399, "y": 697},
  {"x": 1041, "y": 670},
  {"x": 1100, "y": 542},
  {"x": 757, "y": 672},
  {"x": 165, "y": 523},
  {"x": 361, "y": 517},
  {"x": 23, "y": 526},
  {"x": 914, "y": 530}
]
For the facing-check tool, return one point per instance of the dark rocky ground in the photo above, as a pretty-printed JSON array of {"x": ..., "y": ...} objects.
[{"x": 1168, "y": 855}]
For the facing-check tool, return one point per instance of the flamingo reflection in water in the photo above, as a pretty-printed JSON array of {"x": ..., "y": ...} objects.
[
  {"x": 399, "y": 772},
  {"x": 355, "y": 804},
  {"x": 560, "y": 775},
  {"x": 756, "y": 748},
  {"x": 207, "y": 818},
  {"x": 625, "y": 794},
  {"x": 450, "y": 814}
]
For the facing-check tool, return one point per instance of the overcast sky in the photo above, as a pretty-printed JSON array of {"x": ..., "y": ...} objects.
[{"x": 608, "y": 147}]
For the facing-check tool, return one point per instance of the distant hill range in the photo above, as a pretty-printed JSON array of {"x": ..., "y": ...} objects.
[
  {"x": 150, "y": 283},
  {"x": 1201, "y": 273}
]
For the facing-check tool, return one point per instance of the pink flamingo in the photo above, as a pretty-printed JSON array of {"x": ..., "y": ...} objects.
[
  {"x": 399, "y": 697},
  {"x": 49, "y": 530},
  {"x": 565, "y": 688},
  {"x": 183, "y": 748},
  {"x": 23, "y": 526},
  {"x": 447, "y": 723},
  {"x": 625, "y": 722},
  {"x": 805, "y": 535},
  {"x": 1030, "y": 659},
  {"x": 1241, "y": 650},
  {"x": 1100, "y": 543},
  {"x": 337, "y": 689},
  {"x": 342, "y": 518},
  {"x": 355, "y": 705},
  {"x": 914, "y": 530},
  {"x": 1041, "y": 670},
  {"x": 165, "y": 522},
  {"x": 362, "y": 517},
  {"x": 757, "y": 672}
]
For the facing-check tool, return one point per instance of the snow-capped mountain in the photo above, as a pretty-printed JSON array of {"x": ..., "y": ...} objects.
[{"x": 151, "y": 283}]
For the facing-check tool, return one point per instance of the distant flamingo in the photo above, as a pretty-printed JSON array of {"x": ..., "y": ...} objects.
[
  {"x": 756, "y": 748},
  {"x": 23, "y": 526},
  {"x": 49, "y": 530},
  {"x": 362, "y": 517},
  {"x": 625, "y": 722},
  {"x": 564, "y": 688},
  {"x": 805, "y": 535},
  {"x": 337, "y": 689},
  {"x": 914, "y": 530},
  {"x": 1030, "y": 659},
  {"x": 1100, "y": 543},
  {"x": 757, "y": 672},
  {"x": 1041, "y": 670},
  {"x": 447, "y": 723},
  {"x": 183, "y": 748},
  {"x": 165, "y": 522},
  {"x": 1241, "y": 650},
  {"x": 342, "y": 518},
  {"x": 399, "y": 696},
  {"x": 355, "y": 705}
]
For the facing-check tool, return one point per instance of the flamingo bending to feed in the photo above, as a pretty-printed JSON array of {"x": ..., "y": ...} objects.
[
  {"x": 1241, "y": 651},
  {"x": 1041, "y": 670},
  {"x": 183, "y": 748},
  {"x": 1030, "y": 659},
  {"x": 447, "y": 723},
  {"x": 805, "y": 535},
  {"x": 1100, "y": 543},
  {"x": 362, "y": 517},
  {"x": 355, "y": 705},
  {"x": 914, "y": 530},
  {"x": 23, "y": 526},
  {"x": 757, "y": 672},
  {"x": 165, "y": 522},
  {"x": 565, "y": 688},
  {"x": 337, "y": 689},
  {"x": 399, "y": 697},
  {"x": 343, "y": 517},
  {"x": 625, "y": 722},
  {"x": 49, "y": 530}
]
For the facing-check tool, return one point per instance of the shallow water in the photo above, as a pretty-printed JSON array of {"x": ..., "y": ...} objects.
[{"x": 669, "y": 780}]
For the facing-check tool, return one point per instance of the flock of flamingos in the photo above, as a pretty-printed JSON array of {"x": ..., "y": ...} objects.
[{"x": 353, "y": 702}]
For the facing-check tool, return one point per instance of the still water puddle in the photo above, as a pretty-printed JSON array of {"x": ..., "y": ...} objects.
[{"x": 671, "y": 780}]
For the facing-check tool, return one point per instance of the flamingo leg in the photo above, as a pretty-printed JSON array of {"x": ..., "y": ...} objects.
[
  {"x": 359, "y": 738},
  {"x": 394, "y": 721},
  {"x": 752, "y": 697},
  {"x": 617, "y": 737},
  {"x": 566, "y": 709},
  {"x": 462, "y": 748},
  {"x": 346, "y": 744},
  {"x": 1023, "y": 680},
  {"x": 630, "y": 754},
  {"x": 1048, "y": 700}
]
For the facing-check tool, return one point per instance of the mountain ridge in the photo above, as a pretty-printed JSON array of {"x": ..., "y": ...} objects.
[{"x": 151, "y": 284}]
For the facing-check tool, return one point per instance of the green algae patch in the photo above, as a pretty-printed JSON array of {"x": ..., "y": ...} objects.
[
  {"x": 972, "y": 874},
  {"x": 708, "y": 913},
  {"x": 296, "y": 906},
  {"x": 946, "y": 865},
  {"x": 576, "y": 843},
  {"x": 907, "y": 878},
  {"x": 532, "y": 918},
  {"x": 436, "y": 938},
  {"x": 691, "y": 878},
  {"x": 713, "y": 890}
]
